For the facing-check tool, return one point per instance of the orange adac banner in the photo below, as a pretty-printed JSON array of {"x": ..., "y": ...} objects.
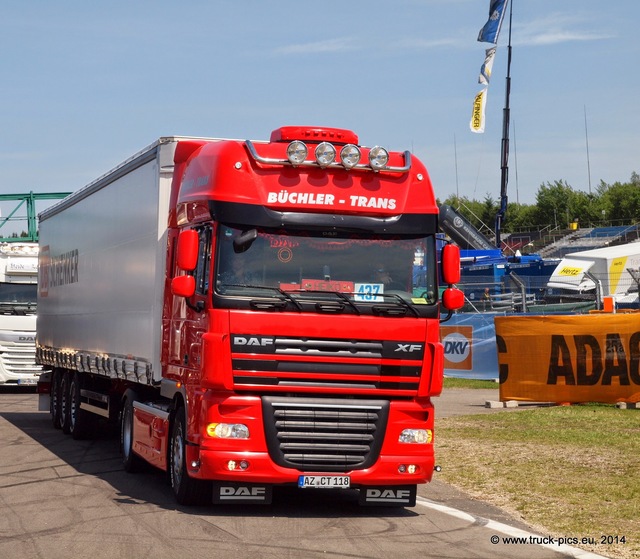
[{"x": 583, "y": 358}]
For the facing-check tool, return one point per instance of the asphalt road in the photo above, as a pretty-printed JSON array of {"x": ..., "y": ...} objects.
[{"x": 64, "y": 499}]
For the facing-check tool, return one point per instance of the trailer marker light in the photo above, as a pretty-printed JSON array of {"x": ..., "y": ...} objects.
[
  {"x": 350, "y": 156},
  {"x": 297, "y": 152},
  {"x": 228, "y": 431},
  {"x": 378, "y": 158},
  {"x": 325, "y": 154},
  {"x": 416, "y": 436}
]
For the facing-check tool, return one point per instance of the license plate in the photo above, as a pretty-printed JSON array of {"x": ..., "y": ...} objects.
[
  {"x": 27, "y": 381},
  {"x": 325, "y": 482}
]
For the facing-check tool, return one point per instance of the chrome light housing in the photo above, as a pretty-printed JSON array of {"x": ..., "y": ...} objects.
[
  {"x": 325, "y": 154},
  {"x": 378, "y": 158},
  {"x": 297, "y": 152},
  {"x": 350, "y": 156}
]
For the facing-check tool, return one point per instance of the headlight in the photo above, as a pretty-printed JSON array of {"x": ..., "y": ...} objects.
[
  {"x": 325, "y": 154},
  {"x": 228, "y": 430},
  {"x": 378, "y": 158},
  {"x": 350, "y": 156},
  {"x": 297, "y": 152},
  {"x": 416, "y": 436}
]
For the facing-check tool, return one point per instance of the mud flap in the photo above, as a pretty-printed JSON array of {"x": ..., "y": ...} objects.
[
  {"x": 245, "y": 493},
  {"x": 389, "y": 496}
]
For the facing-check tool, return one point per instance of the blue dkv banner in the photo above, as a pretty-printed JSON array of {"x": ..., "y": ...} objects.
[{"x": 489, "y": 33}]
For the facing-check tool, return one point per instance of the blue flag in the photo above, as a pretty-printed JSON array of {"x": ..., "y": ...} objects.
[{"x": 489, "y": 33}]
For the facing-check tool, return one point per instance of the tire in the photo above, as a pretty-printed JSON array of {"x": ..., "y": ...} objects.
[
  {"x": 65, "y": 419},
  {"x": 54, "y": 400},
  {"x": 131, "y": 462},
  {"x": 80, "y": 421},
  {"x": 187, "y": 490}
]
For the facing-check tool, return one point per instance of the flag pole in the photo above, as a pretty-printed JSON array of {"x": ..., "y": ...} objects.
[
  {"x": 586, "y": 137},
  {"x": 504, "y": 167},
  {"x": 455, "y": 156}
]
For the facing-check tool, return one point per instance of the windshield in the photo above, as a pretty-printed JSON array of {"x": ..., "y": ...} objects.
[
  {"x": 18, "y": 298},
  {"x": 351, "y": 270}
]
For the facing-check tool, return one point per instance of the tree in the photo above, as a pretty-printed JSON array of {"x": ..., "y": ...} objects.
[
  {"x": 558, "y": 204},
  {"x": 622, "y": 202},
  {"x": 554, "y": 204},
  {"x": 489, "y": 211},
  {"x": 520, "y": 217}
]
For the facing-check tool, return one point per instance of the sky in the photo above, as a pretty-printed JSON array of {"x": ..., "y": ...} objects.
[{"x": 85, "y": 85}]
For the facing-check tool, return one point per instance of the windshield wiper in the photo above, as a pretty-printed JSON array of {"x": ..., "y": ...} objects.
[
  {"x": 344, "y": 297},
  {"x": 282, "y": 292},
  {"x": 400, "y": 307},
  {"x": 406, "y": 306},
  {"x": 289, "y": 297}
]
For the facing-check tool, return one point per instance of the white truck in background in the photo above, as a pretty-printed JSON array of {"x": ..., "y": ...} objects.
[
  {"x": 19, "y": 285},
  {"x": 608, "y": 271},
  {"x": 18, "y": 292}
]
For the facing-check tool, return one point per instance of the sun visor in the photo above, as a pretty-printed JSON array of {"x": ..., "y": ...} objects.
[{"x": 569, "y": 274}]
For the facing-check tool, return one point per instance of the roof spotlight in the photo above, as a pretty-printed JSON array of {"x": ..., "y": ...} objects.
[
  {"x": 378, "y": 158},
  {"x": 297, "y": 152},
  {"x": 325, "y": 154},
  {"x": 350, "y": 156}
]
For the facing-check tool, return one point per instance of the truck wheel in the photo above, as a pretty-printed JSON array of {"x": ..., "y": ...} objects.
[
  {"x": 54, "y": 400},
  {"x": 64, "y": 403},
  {"x": 79, "y": 419},
  {"x": 131, "y": 462},
  {"x": 187, "y": 490}
]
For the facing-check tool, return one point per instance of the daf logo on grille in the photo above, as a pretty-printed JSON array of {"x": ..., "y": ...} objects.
[
  {"x": 409, "y": 348},
  {"x": 252, "y": 341}
]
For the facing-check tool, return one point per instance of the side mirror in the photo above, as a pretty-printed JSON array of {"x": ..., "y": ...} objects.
[
  {"x": 452, "y": 299},
  {"x": 450, "y": 262},
  {"x": 188, "y": 250},
  {"x": 183, "y": 286}
]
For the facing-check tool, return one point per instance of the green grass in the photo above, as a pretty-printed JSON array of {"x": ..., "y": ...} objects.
[
  {"x": 450, "y": 382},
  {"x": 568, "y": 471}
]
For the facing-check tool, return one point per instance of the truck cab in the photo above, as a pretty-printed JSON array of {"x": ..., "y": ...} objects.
[
  {"x": 254, "y": 314},
  {"x": 18, "y": 293}
]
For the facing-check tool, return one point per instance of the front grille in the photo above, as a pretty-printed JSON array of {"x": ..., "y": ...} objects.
[
  {"x": 19, "y": 359},
  {"x": 359, "y": 366},
  {"x": 324, "y": 435}
]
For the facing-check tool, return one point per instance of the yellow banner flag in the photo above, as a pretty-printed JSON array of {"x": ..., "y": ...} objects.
[{"x": 477, "y": 115}]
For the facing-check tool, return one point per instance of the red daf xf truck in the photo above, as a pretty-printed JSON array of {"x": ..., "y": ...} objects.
[{"x": 253, "y": 314}]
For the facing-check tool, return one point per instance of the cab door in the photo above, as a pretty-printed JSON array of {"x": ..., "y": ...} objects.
[{"x": 188, "y": 310}]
